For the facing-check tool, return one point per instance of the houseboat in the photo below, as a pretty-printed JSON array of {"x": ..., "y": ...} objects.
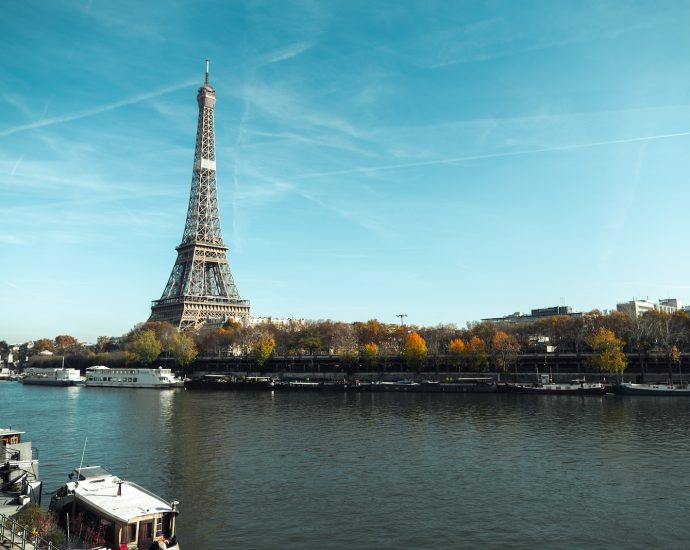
[
  {"x": 660, "y": 389},
  {"x": 457, "y": 385},
  {"x": 225, "y": 382},
  {"x": 45, "y": 376},
  {"x": 546, "y": 386},
  {"x": 102, "y": 509},
  {"x": 19, "y": 482},
  {"x": 104, "y": 377},
  {"x": 6, "y": 374}
]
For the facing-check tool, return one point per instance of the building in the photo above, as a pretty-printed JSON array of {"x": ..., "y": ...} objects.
[
  {"x": 636, "y": 308},
  {"x": 535, "y": 315},
  {"x": 201, "y": 286}
]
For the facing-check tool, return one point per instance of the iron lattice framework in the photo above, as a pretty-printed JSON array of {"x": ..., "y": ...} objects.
[{"x": 201, "y": 286}]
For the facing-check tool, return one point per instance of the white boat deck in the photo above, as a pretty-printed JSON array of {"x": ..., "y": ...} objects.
[{"x": 123, "y": 500}]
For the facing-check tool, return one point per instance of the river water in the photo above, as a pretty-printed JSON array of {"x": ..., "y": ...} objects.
[{"x": 380, "y": 471}]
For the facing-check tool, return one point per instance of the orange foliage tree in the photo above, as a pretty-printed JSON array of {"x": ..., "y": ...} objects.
[
  {"x": 456, "y": 349},
  {"x": 475, "y": 351},
  {"x": 414, "y": 350},
  {"x": 505, "y": 349}
]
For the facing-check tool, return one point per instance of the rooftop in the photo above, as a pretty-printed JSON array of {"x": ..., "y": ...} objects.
[{"x": 100, "y": 488}]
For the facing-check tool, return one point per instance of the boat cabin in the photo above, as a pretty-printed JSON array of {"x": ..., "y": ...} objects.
[
  {"x": 114, "y": 512},
  {"x": 19, "y": 480}
]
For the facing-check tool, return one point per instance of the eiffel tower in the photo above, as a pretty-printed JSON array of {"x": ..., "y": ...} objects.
[{"x": 201, "y": 286}]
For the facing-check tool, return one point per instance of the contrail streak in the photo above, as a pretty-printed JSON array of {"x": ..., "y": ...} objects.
[
  {"x": 487, "y": 156},
  {"x": 94, "y": 110}
]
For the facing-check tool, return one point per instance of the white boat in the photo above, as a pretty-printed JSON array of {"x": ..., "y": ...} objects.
[
  {"x": 19, "y": 482},
  {"x": 661, "y": 389},
  {"x": 6, "y": 374},
  {"x": 104, "y": 377},
  {"x": 43, "y": 376},
  {"x": 545, "y": 386},
  {"x": 115, "y": 513}
]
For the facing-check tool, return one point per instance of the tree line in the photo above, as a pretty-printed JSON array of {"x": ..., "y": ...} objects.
[{"x": 604, "y": 337}]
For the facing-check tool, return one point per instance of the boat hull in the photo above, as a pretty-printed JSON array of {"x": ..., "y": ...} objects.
[
  {"x": 663, "y": 390},
  {"x": 451, "y": 387},
  {"x": 63, "y": 383},
  {"x": 556, "y": 390},
  {"x": 227, "y": 385},
  {"x": 134, "y": 385}
]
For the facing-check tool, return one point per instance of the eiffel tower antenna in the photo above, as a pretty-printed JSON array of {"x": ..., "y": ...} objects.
[{"x": 201, "y": 286}]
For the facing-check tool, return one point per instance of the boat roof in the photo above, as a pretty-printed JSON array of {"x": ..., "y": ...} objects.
[
  {"x": 100, "y": 488},
  {"x": 9, "y": 431}
]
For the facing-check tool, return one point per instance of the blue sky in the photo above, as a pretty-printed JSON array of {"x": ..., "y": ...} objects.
[{"x": 448, "y": 160}]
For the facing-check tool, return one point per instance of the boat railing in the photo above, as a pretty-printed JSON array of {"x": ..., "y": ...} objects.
[{"x": 20, "y": 538}]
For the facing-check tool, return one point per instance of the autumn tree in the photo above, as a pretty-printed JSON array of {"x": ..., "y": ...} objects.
[
  {"x": 64, "y": 344},
  {"x": 218, "y": 342},
  {"x": 371, "y": 331},
  {"x": 145, "y": 347},
  {"x": 504, "y": 349},
  {"x": 456, "y": 350},
  {"x": 342, "y": 338},
  {"x": 476, "y": 354},
  {"x": 414, "y": 350},
  {"x": 676, "y": 359},
  {"x": 607, "y": 351},
  {"x": 370, "y": 355},
  {"x": 262, "y": 349},
  {"x": 44, "y": 344}
]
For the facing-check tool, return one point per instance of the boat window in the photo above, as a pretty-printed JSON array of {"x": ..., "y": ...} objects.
[{"x": 159, "y": 526}]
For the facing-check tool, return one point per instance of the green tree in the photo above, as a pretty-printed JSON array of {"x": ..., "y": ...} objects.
[
  {"x": 163, "y": 330},
  {"x": 414, "y": 351},
  {"x": 608, "y": 355},
  {"x": 262, "y": 349},
  {"x": 182, "y": 349},
  {"x": 145, "y": 347}
]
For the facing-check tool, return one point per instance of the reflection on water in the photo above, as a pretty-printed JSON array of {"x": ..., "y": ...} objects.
[{"x": 294, "y": 470}]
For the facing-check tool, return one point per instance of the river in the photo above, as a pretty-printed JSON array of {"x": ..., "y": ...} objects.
[{"x": 381, "y": 471}]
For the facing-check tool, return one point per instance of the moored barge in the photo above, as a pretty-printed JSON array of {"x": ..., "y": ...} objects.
[{"x": 114, "y": 513}]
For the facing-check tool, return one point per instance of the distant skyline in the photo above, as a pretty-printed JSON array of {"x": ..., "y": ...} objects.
[{"x": 448, "y": 160}]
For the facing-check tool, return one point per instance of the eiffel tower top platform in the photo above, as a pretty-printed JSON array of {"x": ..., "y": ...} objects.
[{"x": 201, "y": 285}]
